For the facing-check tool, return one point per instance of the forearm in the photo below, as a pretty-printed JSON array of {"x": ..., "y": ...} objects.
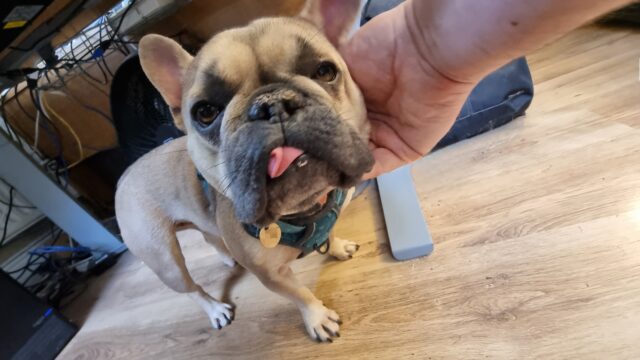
[{"x": 466, "y": 39}]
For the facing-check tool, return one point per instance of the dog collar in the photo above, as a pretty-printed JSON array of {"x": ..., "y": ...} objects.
[{"x": 308, "y": 233}]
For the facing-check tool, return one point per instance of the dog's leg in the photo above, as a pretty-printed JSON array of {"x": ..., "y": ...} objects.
[
  {"x": 221, "y": 248},
  {"x": 272, "y": 269},
  {"x": 271, "y": 266},
  {"x": 342, "y": 249},
  {"x": 321, "y": 323},
  {"x": 166, "y": 260}
]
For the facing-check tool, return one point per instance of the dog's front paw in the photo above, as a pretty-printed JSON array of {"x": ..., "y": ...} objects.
[
  {"x": 342, "y": 249},
  {"x": 322, "y": 323},
  {"x": 228, "y": 260},
  {"x": 220, "y": 314}
]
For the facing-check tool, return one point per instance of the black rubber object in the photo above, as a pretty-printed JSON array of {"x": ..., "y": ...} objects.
[{"x": 141, "y": 117}]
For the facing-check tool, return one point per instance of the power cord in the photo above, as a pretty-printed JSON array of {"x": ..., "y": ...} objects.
[
  {"x": 59, "y": 273},
  {"x": 17, "y": 206},
  {"x": 7, "y": 217},
  {"x": 66, "y": 63}
]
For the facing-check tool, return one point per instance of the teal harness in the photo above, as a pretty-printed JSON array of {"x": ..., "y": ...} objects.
[{"x": 307, "y": 233}]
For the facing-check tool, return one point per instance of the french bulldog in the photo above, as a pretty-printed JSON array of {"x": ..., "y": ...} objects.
[{"x": 274, "y": 125}]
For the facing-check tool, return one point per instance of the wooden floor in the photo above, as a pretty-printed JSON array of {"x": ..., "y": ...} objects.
[{"x": 537, "y": 233}]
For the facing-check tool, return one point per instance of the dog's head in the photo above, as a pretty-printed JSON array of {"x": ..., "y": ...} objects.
[{"x": 274, "y": 120}]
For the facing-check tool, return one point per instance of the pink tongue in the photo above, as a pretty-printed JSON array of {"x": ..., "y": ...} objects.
[{"x": 280, "y": 159}]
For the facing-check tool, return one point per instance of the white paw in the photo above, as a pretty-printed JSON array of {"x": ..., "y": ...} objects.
[
  {"x": 220, "y": 314},
  {"x": 342, "y": 249},
  {"x": 227, "y": 260},
  {"x": 322, "y": 324}
]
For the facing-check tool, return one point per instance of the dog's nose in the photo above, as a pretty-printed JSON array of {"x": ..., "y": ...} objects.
[{"x": 278, "y": 105}]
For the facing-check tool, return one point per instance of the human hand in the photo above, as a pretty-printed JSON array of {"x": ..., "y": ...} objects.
[
  {"x": 411, "y": 105},
  {"x": 417, "y": 63}
]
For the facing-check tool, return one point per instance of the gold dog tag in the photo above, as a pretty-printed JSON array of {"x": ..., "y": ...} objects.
[{"x": 270, "y": 235}]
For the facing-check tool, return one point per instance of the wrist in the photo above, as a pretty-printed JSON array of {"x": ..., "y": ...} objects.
[
  {"x": 420, "y": 22},
  {"x": 456, "y": 54}
]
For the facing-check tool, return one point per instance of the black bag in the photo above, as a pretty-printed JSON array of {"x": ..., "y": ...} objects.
[{"x": 499, "y": 98}]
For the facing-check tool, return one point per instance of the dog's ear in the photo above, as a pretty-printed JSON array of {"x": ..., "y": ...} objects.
[
  {"x": 164, "y": 62},
  {"x": 334, "y": 17}
]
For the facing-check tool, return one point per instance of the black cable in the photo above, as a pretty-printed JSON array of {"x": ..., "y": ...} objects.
[
  {"x": 79, "y": 101},
  {"x": 59, "y": 159},
  {"x": 121, "y": 45},
  {"x": 67, "y": 63},
  {"x": 59, "y": 280},
  {"x": 61, "y": 163},
  {"x": 7, "y": 217},
  {"x": 93, "y": 85},
  {"x": 106, "y": 66},
  {"x": 70, "y": 300},
  {"x": 31, "y": 260},
  {"x": 55, "y": 137},
  {"x": 125, "y": 42},
  {"x": 17, "y": 99},
  {"x": 10, "y": 130},
  {"x": 21, "y": 143},
  {"x": 46, "y": 75},
  {"x": 54, "y": 167},
  {"x": 117, "y": 41},
  {"x": 95, "y": 59},
  {"x": 104, "y": 45},
  {"x": 72, "y": 50},
  {"x": 177, "y": 36},
  {"x": 117, "y": 29},
  {"x": 104, "y": 73},
  {"x": 55, "y": 236},
  {"x": 33, "y": 272},
  {"x": 18, "y": 206},
  {"x": 53, "y": 132},
  {"x": 14, "y": 204}
]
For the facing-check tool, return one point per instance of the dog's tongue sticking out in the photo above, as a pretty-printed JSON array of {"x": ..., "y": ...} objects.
[{"x": 280, "y": 159}]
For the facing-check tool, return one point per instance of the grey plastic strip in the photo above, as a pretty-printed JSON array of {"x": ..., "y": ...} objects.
[{"x": 408, "y": 232}]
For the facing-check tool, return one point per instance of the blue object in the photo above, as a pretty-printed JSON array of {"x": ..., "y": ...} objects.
[
  {"x": 499, "y": 98},
  {"x": 58, "y": 249},
  {"x": 98, "y": 53},
  {"x": 47, "y": 313}
]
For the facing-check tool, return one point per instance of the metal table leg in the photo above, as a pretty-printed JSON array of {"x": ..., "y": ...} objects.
[{"x": 17, "y": 168}]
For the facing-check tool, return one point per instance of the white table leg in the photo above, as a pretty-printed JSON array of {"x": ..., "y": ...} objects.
[{"x": 42, "y": 191}]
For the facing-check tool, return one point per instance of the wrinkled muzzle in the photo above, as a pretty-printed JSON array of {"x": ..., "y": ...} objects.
[{"x": 335, "y": 156}]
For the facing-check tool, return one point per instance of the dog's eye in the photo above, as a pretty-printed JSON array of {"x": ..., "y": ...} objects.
[
  {"x": 326, "y": 72},
  {"x": 205, "y": 113}
]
